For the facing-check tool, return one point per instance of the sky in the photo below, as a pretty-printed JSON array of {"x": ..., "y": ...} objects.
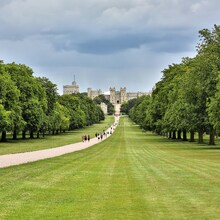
[{"x": 104, "y": 43}]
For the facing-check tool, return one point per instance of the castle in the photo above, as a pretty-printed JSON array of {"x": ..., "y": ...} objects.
[
  {"x": 71, "y": 89},
  {"x": 115, "y": 97}
]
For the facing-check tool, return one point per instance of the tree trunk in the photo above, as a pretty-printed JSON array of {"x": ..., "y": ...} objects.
[
  {"x": 170, "y": 135},
  {"x": 174, "y": 135},
  {"x": 43, "y": 133},
  {"x": 31, "y": 135},
  {"x": 23, "y": 134},
  {"x": 53, "y": 132},
  {"x": 38, "y": 135},
  {"x": 179, "y": 135},
  {"x": 3, "y": 139},
  {"x": 57, "y": 131},
  {"x": 192, "y": 136},
  {"x": 185, "y": 135},
  {"x": 200, "y": 141},
  {"x": 212, "y": 136},
  {"x": 15, "y": 134}
]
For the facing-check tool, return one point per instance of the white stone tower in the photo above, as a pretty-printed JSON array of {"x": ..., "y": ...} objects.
[
  {"x": 113, "y": 95},
  {"x": 123, "y": 93},
  {"x": 71, "y": 89}
]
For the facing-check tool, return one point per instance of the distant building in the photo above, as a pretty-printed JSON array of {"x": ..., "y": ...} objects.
[
  {"x": 117, "y": 97},
  {"x": 104, "y": 108},
  {"x": 71, "y": 89},
  {"x": 94, "y": 93}
]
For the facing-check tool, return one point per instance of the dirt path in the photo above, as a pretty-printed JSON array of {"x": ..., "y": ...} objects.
[{"x": 22, "y": 158}]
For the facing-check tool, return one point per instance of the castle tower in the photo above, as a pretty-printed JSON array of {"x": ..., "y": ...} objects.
[
  {"x": 99, "y": 92},
  {"x": 93, "y": 93},
  {"x": 89, "y": 92},
  {"x": 113, "y": 95},
  {"x": 123, "y": 95},
  {"x": 71, "y": 89},
  {"x": 75, "y": 87}
]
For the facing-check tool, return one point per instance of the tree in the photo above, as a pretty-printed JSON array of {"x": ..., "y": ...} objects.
[
  {"x": 51, "y": 97},
  {"x": 77, "y": 116},
  {"x": 9, "y": 96},
  {"x": 59, "y": 119},
  {"x": 209, "y": 51},
  {"x": 101, "y": 98},
  {"x": 127, "y": 106},
  {"x": 4, "y": 121},
  {"x": 32, "y": 97},
  {"x": 138, "y": 112},
  {"x": 51, "y": 93},
  {"x": 214, "y": 108}
]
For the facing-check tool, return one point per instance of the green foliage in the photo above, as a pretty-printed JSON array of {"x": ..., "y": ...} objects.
[
  {"x": 4, "y": 118},
  {"x": 214, "y": 108},
  {"x": 32, "y": 99},
  {"x": 127, "y": 106},
  {"x": 101, "y": 98},
  {"x": 187, "y": 96},
  {"x": 59, "y": 119},
  {"x": 31, "y": 104},
  {"x": 138, "y": 112},
  {"x": 91, "y": 109},
  {"x": 9, "y": 96},
  {"x": 82, "y": 110},
  {"x": 51, "y": 93},
  {"x": 77, "y": 116}
]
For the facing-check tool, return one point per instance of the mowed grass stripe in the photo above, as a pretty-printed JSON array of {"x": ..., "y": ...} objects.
[
  {"x": 55, "y": 172},
  {"x": 129, "y": 176},
  {"x": 181, "y": 183},
  {"x": 52, "y": 187}
]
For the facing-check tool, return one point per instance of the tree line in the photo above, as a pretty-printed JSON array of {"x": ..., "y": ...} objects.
[
  {"x": 187, "y": 98},
  {"x": 31, "y": 105}
]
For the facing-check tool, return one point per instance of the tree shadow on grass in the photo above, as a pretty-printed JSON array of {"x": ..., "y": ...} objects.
[
  {"x": 47, "y": 137},
  {"x": 207, "y": 148}
]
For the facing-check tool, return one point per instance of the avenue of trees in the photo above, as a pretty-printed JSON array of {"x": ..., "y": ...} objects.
[
  {"x": 187, "y": 98},
  {"x": 31, "y": 105}
]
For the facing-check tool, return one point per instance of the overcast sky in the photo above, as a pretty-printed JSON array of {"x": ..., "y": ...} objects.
[{"x": 103, "y": 42}]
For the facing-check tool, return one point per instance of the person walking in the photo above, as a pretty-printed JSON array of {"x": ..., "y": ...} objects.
[
  {"x": 88, "y": 138},
  {"x": 83, "y": 138}
]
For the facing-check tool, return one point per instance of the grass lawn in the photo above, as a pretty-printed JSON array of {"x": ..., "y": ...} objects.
[
  {"x": 131, "y": 175},
  {"x": 53, "y": 140}
]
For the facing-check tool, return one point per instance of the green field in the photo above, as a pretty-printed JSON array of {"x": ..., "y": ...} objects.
[
  {"x": 131, "y": 175},
  {"x": 53, "y": 140}
]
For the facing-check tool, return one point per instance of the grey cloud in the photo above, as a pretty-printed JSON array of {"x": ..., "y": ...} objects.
[
  {"x": 3, "y": 3},
  {"x": 160, "y": 41},
  {"x": 115, "y": 44},
  {"x": 126, "y": 42}
]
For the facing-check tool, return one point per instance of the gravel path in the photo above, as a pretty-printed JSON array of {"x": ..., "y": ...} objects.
[{"x": 22, "y": 158}]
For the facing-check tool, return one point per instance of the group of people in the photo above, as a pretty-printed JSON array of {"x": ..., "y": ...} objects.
[
  {"x": 85, "y": 138},
  {"x": 101, "y": 135}
]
